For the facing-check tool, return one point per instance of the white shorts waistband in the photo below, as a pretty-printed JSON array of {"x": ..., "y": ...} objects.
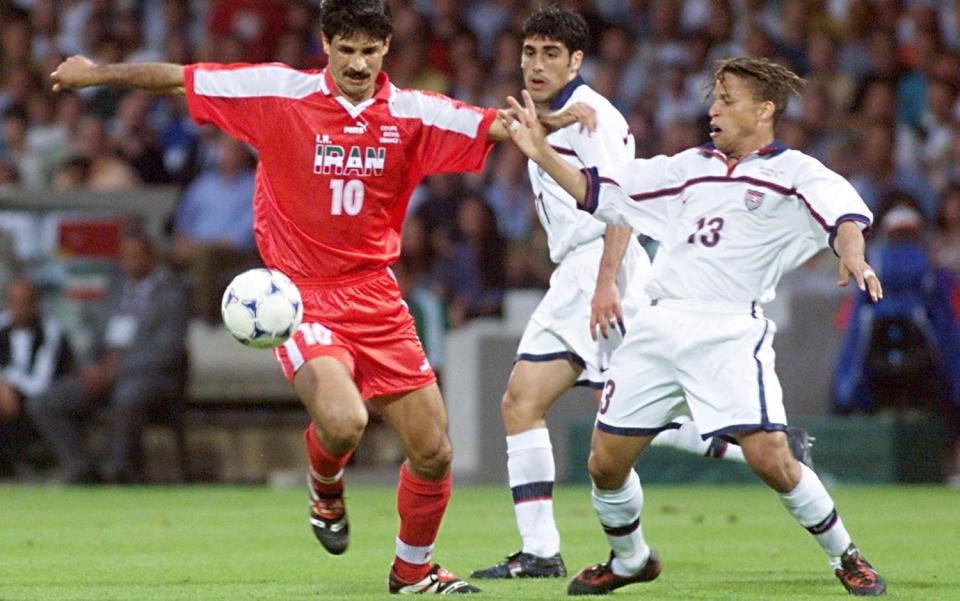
[{"x": 710, "y": 307}]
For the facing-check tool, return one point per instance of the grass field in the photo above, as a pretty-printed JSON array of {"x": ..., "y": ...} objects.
[{"x": 717, "y": 543}]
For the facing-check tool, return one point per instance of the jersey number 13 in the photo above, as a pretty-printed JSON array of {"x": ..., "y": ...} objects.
[{"x": 707, "y": 232}]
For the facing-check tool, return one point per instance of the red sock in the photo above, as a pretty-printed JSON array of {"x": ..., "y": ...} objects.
[
  {"x": 326, "y": 468},
  {"x": 421, "y": 504}
]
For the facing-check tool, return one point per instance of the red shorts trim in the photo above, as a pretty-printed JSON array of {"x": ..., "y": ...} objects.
[{"x": 365, "y": 326}]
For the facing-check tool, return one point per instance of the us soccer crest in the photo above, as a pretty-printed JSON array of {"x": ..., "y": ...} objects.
[{"x": 753, "y": 199}]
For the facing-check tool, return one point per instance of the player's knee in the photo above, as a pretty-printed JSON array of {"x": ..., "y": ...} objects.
[
  {"x": 432, "y": 461},
  {"x": 342, "y": 432},
  {"x": 519, "y": 411},
  {"x": 777, "y": 469},
  {"x": 604, "y": 473}
]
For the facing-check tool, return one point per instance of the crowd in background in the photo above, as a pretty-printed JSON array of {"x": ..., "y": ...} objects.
[{"x": 881, "y": 107}]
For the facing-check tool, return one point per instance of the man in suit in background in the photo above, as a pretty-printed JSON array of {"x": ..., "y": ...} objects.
[{"x": 138, "y": 363}]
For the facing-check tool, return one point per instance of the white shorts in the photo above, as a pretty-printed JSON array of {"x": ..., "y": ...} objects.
[
  {"x": 560, "y": 325},
  {"x": 713, "y": 363}
]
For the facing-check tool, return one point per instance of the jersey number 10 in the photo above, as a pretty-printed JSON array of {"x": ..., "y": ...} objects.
[{"x": 346, "y": 196}]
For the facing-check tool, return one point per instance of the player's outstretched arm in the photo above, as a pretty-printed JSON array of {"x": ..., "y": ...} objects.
[
  {"x": 80, "y": 72},
  {"x": 849, "y": 244},
  {"x": 529, "y": 135}
]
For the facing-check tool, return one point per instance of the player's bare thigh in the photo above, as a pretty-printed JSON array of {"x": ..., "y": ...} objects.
[
  {"x": 420, "y": 420},
  {"x": 531, "y": 390},
  {"x": 612, "y": 456},
  {"x": 326, "y": 388}
]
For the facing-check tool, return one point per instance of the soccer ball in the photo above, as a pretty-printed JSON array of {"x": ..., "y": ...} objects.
[{"x": 261, "y": 308}]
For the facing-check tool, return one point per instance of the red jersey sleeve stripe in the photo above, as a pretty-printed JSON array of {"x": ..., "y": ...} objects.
[
  {"x": 438, "y": 111},
  {"x": 253, "y": 81}
]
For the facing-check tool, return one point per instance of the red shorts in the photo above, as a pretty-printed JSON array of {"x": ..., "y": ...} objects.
[{"x": 366, "y": 325}]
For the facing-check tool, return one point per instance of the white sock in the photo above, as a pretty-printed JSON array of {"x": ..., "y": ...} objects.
[
  {"x": 532, "y": 472},
  {"x": 619, "y": 513},
  {"x": 687, "y": 438},
  {"x": 810, "y": 504}
]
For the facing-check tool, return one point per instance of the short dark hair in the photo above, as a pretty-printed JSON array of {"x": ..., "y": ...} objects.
[
  {"x": 767, "y": 80},
  {"x": 554, "y": 23},
  {"x": 348, "y": 17}
]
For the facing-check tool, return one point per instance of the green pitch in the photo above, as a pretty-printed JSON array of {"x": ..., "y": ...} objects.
[{"x": 716, "y": 543}]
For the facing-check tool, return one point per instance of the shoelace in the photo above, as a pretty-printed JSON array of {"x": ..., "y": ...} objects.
[
  {"x": 860, "y": 571},
  {"x": 597, "y": 570},
  {"x": 329, "y": 508}
]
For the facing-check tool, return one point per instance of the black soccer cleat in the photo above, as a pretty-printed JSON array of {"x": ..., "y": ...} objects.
[
  {"x": 525, "y": 565},
  {"x": 858, "y": 576},
  {"x": 599, "y": 579},
  {"x": 800, "y": 443},
  {"x": 438, "y": 581},
  {"x": 328, "y": 516}
]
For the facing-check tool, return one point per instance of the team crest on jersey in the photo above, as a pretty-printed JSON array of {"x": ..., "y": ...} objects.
[{"x": 753, "y": 199}]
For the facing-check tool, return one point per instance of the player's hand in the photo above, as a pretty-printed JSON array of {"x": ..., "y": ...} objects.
[
  {"x": 524, "y": 128},
  {"x": 865, "y": 276},
  {"x": 75, "y": 72},
  {"x": 605, "y": 311},
  {"x": 578, "y": 112}
]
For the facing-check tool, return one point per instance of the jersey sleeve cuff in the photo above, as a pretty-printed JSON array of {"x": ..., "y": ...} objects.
[
  {"x": 194, "y": 105},
  {"x": 861, "y": 220},
  {"x": 592, "y": 197}
]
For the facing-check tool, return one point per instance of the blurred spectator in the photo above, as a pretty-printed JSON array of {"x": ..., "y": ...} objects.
[
  {"x": 508, "y": 194},
  {"x": 33, "y": 350},
  {"x": 413, "y": 272},
  {"x": 882, "y": 106},
  {"x": 15, "y": 148},
  {"x": 528, "y": 263},
  {"x": 213, "y": 226},
  {"x": 135, "y": 140},
  {"x": 257, "y": 24},
  {"x": 470, "y": 271},
  {"x": 905, "y": 351},
  {"x": 877, "y": 174},
  {"x": 138, "y": 366},
  {"x": 47, "y": 137},
  {"x": 946, "y": 249},
  {"x": 105, "y": 170}
]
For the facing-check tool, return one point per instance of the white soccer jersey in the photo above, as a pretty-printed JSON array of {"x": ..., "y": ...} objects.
[
  {"x": 729, "y": 233},
  {"x": 611, "y": 144}
]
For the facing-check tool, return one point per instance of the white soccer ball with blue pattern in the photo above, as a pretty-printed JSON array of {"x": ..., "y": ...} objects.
[{"x": 261, "y": 308}]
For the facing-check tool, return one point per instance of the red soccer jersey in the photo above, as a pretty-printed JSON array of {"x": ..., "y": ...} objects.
[{"x": 334, "y": 179}]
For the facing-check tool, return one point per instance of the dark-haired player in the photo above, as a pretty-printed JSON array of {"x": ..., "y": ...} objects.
[
  {"x": 732, "y": 216},
  {"x": 595, "y": 292},
  {"x": 340, "y": 151}
]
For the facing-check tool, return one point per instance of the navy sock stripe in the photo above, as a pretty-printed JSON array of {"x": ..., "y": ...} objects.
[
  {"x": 622, "y": 530},
  {"x": 824, "y": 525},
  {"x": 532, "y": 491}
]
